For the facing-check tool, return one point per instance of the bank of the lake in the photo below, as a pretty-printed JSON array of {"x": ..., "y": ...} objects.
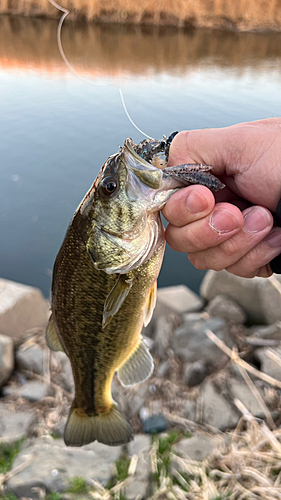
[{"x": 227, "y": 14}]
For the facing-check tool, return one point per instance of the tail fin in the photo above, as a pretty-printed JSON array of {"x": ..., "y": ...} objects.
[{"x": 110, "y": 428}]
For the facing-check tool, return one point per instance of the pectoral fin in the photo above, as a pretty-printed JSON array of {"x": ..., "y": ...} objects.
[
  {"x": 150, "y": 305},
  {"x": 115, "y": 298},
  {"x": 52, "y": 340},
  {"x": 138, "y": 367}
]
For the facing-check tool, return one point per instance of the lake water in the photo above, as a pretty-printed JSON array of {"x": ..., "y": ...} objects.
[{"x": 57, "y": 130}]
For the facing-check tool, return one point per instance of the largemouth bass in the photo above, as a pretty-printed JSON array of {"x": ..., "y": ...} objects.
[{"x": 104, "y": 285}]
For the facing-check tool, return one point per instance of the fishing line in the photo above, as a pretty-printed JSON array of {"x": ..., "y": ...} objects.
[{"x": 73, "y": 70}]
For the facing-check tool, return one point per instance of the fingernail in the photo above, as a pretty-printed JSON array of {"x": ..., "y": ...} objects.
[
  {"x": 274, "y": 238},
  {"x": 195, "y": 202},
  {"x": 256, "y": 219},
  {"x": 223, "y": 221}
]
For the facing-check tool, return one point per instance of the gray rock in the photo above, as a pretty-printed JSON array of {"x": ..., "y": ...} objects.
[
  {"x": 64, "y": 365},
  {"x": 163, "y": 369},
  {"x": 240, "y": 390},
  {"x": 130, "y": 403},
  {"x": 269, "y": 366},
  {"x": 216, "y": 411},
  {"x": 259, "y": 297},
  {"x": 272, "y": 332},
  {"x": 6, "y": 359},
  {"x": 171, "y": 303},
  {"x": 32, "y": 391},
  {"x": 180, "y": 299},
  {"x": 163, "y": 335},
  {"x": 32, "y": 359},
  {"x": 160, "y": 311},
  {"x": 14, "y": 425},
  {"x": 198, "y": 447},
  {"x": 139, "y": 485},
  {"x": 195, "y": 373},
  {"x": 54, "y": 464},
  {"x": 22, "y": 307},
  {"x": 189, "y": 410},
  {"x": 141, "y": 444},
  {"x": 227, "y": 309},
  {"x": 190, "y": 342}
]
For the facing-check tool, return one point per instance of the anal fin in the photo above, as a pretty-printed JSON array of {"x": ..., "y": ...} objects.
[
  {"x": 52, "y": 340},
  {"x": 138, "y": 367},
  {"x": 150, "y": 305}
]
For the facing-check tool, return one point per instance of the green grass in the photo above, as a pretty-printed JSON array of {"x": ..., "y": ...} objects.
[
  {"x": 165, "y": 444},
  {"x": 77, "y": 485},
  {"x": 8, "y": 496},
  {"x": 122, "y": 467},
  {"x": 8, "y": 453},
  {"x": 53, "y": 496}
]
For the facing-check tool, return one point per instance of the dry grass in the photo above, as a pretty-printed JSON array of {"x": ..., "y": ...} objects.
[{"x": 241, "y": 14}]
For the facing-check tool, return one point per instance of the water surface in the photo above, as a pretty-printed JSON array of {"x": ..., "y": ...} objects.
[{"x": 57, "y": 130}]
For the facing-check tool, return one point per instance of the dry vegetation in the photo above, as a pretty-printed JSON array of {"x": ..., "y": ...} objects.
[{"x": 229, "y": 14}]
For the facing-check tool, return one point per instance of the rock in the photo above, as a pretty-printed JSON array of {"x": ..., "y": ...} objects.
[
  {"x": 195, "y": 373},
  {"x": 272, "y": 332},
  {"x": 32, "y": 359},
  {"x": 155, "y": 424},
  {"x": 172, "y": 302},
  {"x": 54, "y": 464},
  {"x": 64, "y": 365},
  {"x": 180, "y": 299},
  {"x": 190, "y": 343},
  {"x": 14, "y": 425},
  {"x": 216, "y": 411},
  {"x": 32, "y": 391},
  {"x": 141, "y": 444},
  {"x": 259, "y": 297},
  {"x": 163, "y": 335},
  {"x": 22, "y": 307},
  {"x": 227, "y": 309},
  {"x": 163, "y": 369},
  {"x": 189, "y": 410},
  {"x": 198, "y": 447},
  {"x": 139, "y": 485},
  {"x": 6, "y": 359},
  {"x": 240, "y": 390},
  {"x": 130, "y": 400},
  {"x": 269, "y": 366}
]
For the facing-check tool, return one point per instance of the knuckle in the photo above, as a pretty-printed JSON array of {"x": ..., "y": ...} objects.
[
  {"x": 196, "y": 261},
  {"x": 196, "y": 240},
  {"x": 229, "y": 247}
]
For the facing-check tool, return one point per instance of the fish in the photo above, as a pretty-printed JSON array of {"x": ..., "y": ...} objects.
[{"x": 104, "y": 285}]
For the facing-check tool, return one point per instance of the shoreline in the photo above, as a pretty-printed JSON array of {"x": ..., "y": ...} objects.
[{"x": 185, "y": 17}]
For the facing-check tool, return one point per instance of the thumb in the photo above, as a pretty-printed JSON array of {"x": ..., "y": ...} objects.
[{"x": 210, "y": 146}]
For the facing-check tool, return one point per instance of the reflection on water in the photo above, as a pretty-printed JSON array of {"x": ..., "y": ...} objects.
[
  {"x": 56, "y": 130},
  {"x": 112, "y": 49}
]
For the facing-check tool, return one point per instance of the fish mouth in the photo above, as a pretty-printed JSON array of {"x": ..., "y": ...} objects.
[{"x": 146, "y": 184}]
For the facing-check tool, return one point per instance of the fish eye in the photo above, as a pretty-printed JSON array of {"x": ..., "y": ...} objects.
[{"x": 108, "y": 186}]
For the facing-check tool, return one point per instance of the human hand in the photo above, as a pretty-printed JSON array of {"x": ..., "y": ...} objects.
[{"x": 232, "y": 230}]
